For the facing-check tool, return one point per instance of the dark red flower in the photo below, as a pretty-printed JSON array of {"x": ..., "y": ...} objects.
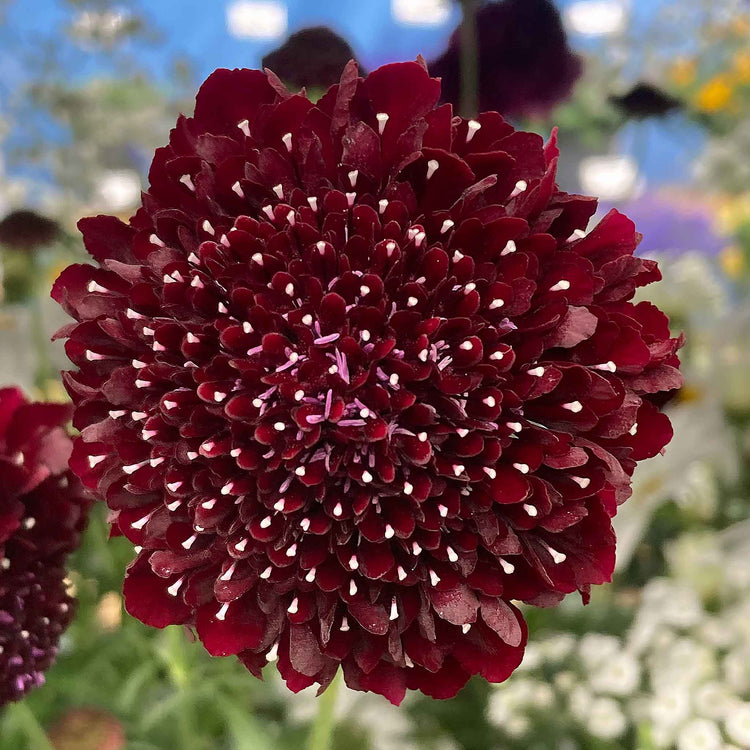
[
  {"x": 26, "y": 230},
  {"x": 645, "y": 100},
  {"x": 354, "y": 378},
  {"x": 42, "y": 512},
  {"x": 312, "y": 58},
  {"x": 525, "y": 63}
]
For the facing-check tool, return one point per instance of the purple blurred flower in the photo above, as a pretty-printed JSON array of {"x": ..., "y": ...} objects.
[
  {"x": 672, "y": 225},
  {"x": 525, "y": 63}
]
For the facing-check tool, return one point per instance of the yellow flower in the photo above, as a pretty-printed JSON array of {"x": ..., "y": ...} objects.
[
  {"x": 741, "y": 25},
  {"x": 682, "y": 72},
  {"x": 52, "y": 390},
  {"x": 689, "y": 393},
  {"x": 714, "y": 95},
  {"x": 109, "y": 611},
  {"x": 732, "y": 261},
  {"x": 742, "y": 66},
  {"x": 732, "y": 212}
]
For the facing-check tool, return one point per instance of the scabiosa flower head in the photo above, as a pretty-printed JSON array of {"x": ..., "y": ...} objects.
[
  {"x": 525, "y": 63},
  {"x": 354, "y": 378},
  {"x": 42, "y": 512}
]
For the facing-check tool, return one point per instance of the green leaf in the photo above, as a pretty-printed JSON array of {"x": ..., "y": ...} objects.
[{"x": 246, "y": 732}]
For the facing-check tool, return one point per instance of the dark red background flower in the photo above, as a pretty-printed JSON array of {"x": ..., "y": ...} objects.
[
  {"x": 354, "y": 378},
  {"x": 312, "y": 58},
  {"x": 525, "y": 63},
  {"x": 42, "y": 512},
  {"x": 27, "y": 230}
]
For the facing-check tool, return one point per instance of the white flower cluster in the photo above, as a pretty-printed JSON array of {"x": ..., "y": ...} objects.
[
  {"x": 698, "y": 669},
  {"x": 725, "y": 163},
  {"x": 679, "y": 678}
]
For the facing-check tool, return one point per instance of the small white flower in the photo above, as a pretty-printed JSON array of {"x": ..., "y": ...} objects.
[
  {"x": 736, "y": 667},
  {"x": 605, "y": 719},
  {"x": 596, "y": 648},
  {"x": 714, "y": 632},
  {"x": 670, "y": 707},
  {"x": 685, "y": 662},
  {"x": 642, "y": 632},
  {"x": 543, "y": 696},
  {"x": 580, "y": 702},
  {"x": 565, "y": 681},
  {"x": 517, "y": 696},
  {"x": 516, "y": 725},
  {"x": 737, "y": 724},
  {"x": 532, "y": 658},
  {"x": 662, "y": 736},
  {"x": 499, "y": 708},
  {"x": 713, "y": 700},
  {"x": 558, "y": 646},
  {"x": 618, "y": 675},
  {"x": 699, "y": 734},
  {"x": 673, "y": 603}
]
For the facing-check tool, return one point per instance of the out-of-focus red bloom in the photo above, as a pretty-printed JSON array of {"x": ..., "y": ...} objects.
[
  {"x": 27, "y": 230},
  {"x": 313, "y": 58},
  {"x": 42, "y": 512},
  {"x": 525, "y": 63},
  {"x": 87, "y": 729},
  {"x": 354, "y": 378}
]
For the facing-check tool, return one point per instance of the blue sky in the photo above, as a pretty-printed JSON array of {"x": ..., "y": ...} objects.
[{"x": 197, "y": 30}]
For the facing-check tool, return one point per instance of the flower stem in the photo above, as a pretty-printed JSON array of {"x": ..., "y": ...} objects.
[
  {"x": 179, "y": 672},
  {"x": 44, "y": 370},
  {"x": 469, "y": 51},
  {"x": 321, "y": 733},
  {"x": 25, "y": 720}
]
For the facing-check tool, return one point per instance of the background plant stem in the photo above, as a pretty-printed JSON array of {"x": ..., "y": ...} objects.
[
  {"x": 23, "y": 717},
  {"x": 179, "y": 673},
  {"x": 469, "y": 59},
  {"x": 43, "y": 371},
  {"x": 321, "y": 733}
]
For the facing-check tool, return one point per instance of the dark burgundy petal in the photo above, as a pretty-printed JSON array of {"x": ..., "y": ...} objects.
[
  {"x": 150, "y": 598},
  {"x": 107, "y": 238},
  {"x": 223, "y": 635},
  {"x": 457, "y": 606}
]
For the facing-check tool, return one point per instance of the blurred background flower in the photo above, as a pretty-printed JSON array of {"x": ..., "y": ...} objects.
[
  {"x": 311, "y": 58},
  {"x": 27, "y": 230},
  {"x": 525, "y": 65}
]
